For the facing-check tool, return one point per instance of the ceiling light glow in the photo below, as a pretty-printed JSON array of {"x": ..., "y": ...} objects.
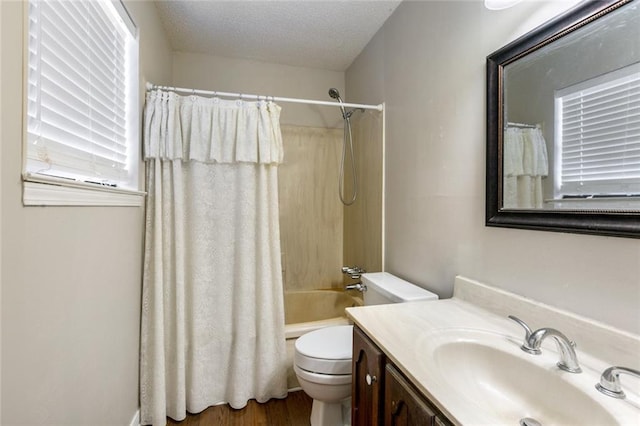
[{"x": 500, "y": 4}]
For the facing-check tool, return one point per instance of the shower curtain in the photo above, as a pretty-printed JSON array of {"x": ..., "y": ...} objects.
[
  {"x": 525, "y": 163},
  {"x": 212, "y": 313}
]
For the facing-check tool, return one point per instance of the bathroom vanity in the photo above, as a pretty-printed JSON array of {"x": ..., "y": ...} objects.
[
  {"x": 459, "y": 361},
  {"x": 381, "y": 393}
]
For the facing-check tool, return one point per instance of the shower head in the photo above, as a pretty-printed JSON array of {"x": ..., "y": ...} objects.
[{"x": 333, "y": 92}]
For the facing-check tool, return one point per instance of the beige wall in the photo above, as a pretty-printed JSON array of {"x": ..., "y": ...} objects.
[
  {"x": 193, "y": 70},
  {"x": 71, "y": 276},
  {"x": 428, "y": 64},
  {"x": 311, "y": 216}
]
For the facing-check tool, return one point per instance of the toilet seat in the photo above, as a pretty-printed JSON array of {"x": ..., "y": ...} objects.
[
  {"x": 325, "y": 351},
  {"x": 321, "y": 378}
]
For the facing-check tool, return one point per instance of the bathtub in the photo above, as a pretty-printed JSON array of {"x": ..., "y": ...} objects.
[{"x": 309, "y": 310}]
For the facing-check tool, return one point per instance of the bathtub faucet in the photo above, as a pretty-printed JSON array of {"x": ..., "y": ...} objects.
[
  {"x": 354, "y": 272},
  {"x": 357, "y": 286}
]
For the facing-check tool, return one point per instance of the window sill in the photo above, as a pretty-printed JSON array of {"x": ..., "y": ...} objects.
[
  {"x": 630, "y": 203},
  {"x": 633, "y": 198},
  {"x": 44, "y": 191}
]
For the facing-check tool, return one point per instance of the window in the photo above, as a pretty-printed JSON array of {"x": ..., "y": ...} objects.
[
  {"x": 82, "y": 131},
  {"x": 598, "y": 136}
]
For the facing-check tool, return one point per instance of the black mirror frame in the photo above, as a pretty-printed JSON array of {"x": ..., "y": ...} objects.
[{"x": 611, "y": 223}]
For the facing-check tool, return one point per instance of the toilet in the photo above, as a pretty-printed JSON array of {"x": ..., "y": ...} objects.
[{"x": 322, "y": 360}]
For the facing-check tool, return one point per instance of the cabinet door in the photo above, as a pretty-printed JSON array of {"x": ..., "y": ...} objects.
[
  {"x": 403, "y": 405},
  {"x": 367, "y": 381}
]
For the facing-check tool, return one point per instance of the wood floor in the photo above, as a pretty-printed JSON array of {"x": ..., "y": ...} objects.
[{"x": 294, "y": 410}]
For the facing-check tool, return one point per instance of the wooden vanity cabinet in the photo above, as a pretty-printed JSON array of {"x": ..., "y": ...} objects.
[
  {"x": 381, "y": 395},
  {"x": 403, "y": 405},
  {"x": 367, "y": 381}
]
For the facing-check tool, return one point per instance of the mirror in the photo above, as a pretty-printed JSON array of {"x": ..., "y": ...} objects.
[{"x": 563, "y": 124}]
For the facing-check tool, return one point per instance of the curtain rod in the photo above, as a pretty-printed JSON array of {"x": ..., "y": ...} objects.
[
  {"x": 151, "y": 86},
  {"x": 522, "y": 125}
]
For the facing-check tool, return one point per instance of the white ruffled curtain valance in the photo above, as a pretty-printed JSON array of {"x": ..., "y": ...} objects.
[
  {"x": 211, "y": 130},
  {"x": 525, "y": 163}
]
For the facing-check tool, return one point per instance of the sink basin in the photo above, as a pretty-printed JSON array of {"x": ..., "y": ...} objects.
[{"x": 497, "y": 383}]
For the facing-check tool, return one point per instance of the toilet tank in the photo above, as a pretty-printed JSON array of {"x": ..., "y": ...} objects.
[{"x": 382, "y": 288}]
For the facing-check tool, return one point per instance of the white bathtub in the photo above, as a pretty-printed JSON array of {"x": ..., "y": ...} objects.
[{"x": 310, "y": 310}]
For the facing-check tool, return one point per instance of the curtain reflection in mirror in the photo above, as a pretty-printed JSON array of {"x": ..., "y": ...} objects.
[{"x": 525, "y": 164}]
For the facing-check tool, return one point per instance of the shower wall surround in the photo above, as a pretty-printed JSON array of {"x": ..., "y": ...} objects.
[
  {"x": 427, "y": 63},
  {"x": 311, "y": 214},
  {"x": 363, "y": 219}
]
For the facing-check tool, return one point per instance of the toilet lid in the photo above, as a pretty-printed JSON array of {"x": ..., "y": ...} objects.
[{"x": 326, "y": 351}]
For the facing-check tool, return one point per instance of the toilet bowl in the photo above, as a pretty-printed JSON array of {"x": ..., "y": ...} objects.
[
  {"x": 322, "y": 360},
  {"x": 322, "y": 363}
]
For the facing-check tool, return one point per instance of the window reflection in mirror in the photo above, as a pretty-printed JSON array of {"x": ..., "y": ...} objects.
[{"x": 571, "y": 137}]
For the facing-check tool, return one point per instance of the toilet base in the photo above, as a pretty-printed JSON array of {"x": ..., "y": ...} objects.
[{"x": 331, "y": 414}]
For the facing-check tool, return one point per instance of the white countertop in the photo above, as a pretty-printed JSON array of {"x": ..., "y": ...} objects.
[{"x": 401, "y": 331}]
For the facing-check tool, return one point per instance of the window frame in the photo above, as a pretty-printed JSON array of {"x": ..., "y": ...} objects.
[
  {"x": 46, "y": 190},
  {"x": 598, "y": 188}
]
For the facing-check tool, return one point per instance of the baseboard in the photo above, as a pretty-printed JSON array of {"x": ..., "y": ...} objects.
[{"x": 135, "y": 421}]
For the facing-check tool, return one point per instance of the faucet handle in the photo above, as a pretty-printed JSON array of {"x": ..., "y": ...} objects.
[
  {"x": 357, "y": 286},
  {"x": 353, "y": 272},
  {"x": 610, "y": 381},
  {"x": 525, "y": 345}
]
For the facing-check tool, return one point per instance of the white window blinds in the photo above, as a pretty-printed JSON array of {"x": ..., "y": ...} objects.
[
  {"x": 82, "y": 93},
  {"x": 598, "y": 130}
]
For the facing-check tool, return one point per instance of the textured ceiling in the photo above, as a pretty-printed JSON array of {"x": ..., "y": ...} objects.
[{"x": 308, "y": 33}]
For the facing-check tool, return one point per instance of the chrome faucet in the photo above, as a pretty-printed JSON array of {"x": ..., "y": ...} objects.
[
  {"x": 354, "y": 272},
  {"x": 533, "y": 340},
  {"x": 357, "y": 286},
  {"x": 610, "y": 381}
]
